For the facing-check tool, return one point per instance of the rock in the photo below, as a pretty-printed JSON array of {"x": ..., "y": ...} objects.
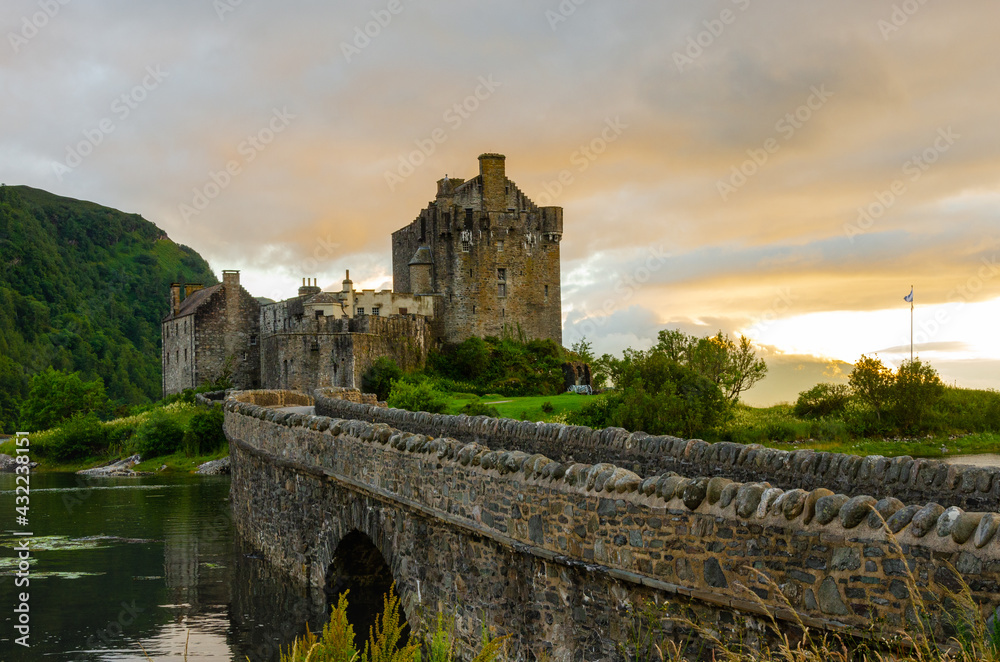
[
  {"x": 215, "y": 467},
  {"x": 792, "y": 503},
  {"x": 829, "y": 598},
  {"x": 9, "y": 464},
  {"x": 828, "y": 507},
  {"x": 117, "y": 468},
  {"x": 946, "y": 522},
  {"x": 810, "y": 506},
  {"x": 769, "y": 496},
  {"x": 714, "y": 576},
  {"x": 965, "y": 526},
  {"x": 902, "y": 518},
  {"x": 748, "y": 498},
  {"x": 884, "y": 509},
  {"x": 728, "y": 494},
  {"x": 694, "y": 493},
  {"x": 856, "y": 510},
  {"x": 986, "y": 530},
  {"x": 926, "y": 519},
  {"x": 846, "y": 558},
  {"x": 715, "y": 487}
]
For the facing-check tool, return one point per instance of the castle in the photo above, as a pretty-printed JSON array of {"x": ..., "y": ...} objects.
[{"x": 480, "y": 259}]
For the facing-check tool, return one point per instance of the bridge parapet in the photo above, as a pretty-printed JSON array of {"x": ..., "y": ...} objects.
[
  {"x": 592, "y": 539},
  {"x": 273, "y": 398},
  {"x": 905, "y": 478}
]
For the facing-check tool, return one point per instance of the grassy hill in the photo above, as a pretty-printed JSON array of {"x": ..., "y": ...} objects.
[{"x": 83, "y": 288}]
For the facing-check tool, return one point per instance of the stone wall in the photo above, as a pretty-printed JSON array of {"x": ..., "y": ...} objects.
[
  {"x": 350, "y": 395},
  {"x": 557, "y": 552},
  {"x": 316, "y": 352},
  {"x": 228, "y": 335},
  {"x": 273, "y": 398},
  {"x": 905, "y": 478},
  {"x": 177, "y": 354}
]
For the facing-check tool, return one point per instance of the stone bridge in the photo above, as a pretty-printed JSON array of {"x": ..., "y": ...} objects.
[{"x": 557, "y": 535}]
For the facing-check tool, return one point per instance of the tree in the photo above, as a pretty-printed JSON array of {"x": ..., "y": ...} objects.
[
  {"x": 584, "y": 349},
  {"x": 379, "y": 378},
  {"x": 732, "y": 365},
  {"x": 13, "y": 388},
  {"x": 872, "y": 384},
  {"x": 916, "y": 390},
  {"x": 54, "y": 397},
  {"x": 823, "y": 400}
]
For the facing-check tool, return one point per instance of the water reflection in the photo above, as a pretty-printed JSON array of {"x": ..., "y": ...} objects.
[{"x": 123, "y": 565}]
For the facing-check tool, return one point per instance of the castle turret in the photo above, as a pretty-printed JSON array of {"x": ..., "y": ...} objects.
[
  {"x": 493, "y": 172},
  {"x": 421, "y": 271}
]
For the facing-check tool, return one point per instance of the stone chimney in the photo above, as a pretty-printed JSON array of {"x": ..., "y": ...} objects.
[
  {"x": 231, "y": 287},
  {"x": 175, "y": 298},
  {"x": 348, "y": 283},
  {"x": 191, "y": 289},
  {"x": 494, "y": 176},
  {"x": 309, "y": 287}
]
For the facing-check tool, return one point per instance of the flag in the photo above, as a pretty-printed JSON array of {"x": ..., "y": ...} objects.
[{"x": 909, "y": 297}]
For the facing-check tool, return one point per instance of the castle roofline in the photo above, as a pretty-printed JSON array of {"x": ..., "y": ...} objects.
[{"x": 193, "y": 301}]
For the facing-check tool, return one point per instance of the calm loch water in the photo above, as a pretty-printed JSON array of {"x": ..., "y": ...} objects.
[{"x": 121, "y": 565}]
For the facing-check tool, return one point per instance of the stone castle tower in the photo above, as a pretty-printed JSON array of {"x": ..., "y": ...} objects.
[{"x": 488, "y": 254}]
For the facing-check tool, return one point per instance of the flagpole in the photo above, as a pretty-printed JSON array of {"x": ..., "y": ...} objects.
[{"x": 911, "y": 324}]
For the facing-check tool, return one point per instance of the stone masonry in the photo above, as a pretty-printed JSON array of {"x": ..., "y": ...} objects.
[
  {"x": 556, "y": 553},
  {"x": 491, "y": 256}
]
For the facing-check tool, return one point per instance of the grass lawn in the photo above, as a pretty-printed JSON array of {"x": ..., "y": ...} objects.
[
  {"x": 523, "y": 408},
  {"x": 973, "y": 444}
]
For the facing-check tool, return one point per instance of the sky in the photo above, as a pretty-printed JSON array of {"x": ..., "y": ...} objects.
[{"x": 783, "y": 170}]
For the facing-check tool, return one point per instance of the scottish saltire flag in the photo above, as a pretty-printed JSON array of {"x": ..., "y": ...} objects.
[{"x": 909, "y": 297}]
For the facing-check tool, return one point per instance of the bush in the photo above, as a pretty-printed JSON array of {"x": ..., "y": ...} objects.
[
  {"x": 823, "y": 400},
  {"x": 378, "y": 379},
  {"x": 478, "y": 408},
  {"x": 81, "y": 436},
  {"x": 158, "y": 435},
  {"x": 547, "y": 407},
  {"x": 55, "y": 397},
  {"x": 417, "y": 397},
  {"x": 205, "y": 434}
]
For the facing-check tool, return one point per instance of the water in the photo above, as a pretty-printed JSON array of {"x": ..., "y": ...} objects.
[{"x": 122, "y": 564}]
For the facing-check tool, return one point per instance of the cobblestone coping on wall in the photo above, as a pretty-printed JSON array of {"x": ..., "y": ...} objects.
[
  {"x": 746, "y": 501},
  {"x": 904, "y": 478}
]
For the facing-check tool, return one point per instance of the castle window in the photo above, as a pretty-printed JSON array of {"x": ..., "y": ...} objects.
[
  {"x": 319, "y": 314},
  {"x": 500, "y": 246},
  {"x": 402, "y": 311},
  {"x": 185, "y": 355},
  {"x": 361, "y": 311},
  {"x": 501, "y": 289},
  {"x": 546, "y": 292},
  {"x": 473, "y": 309},
  {"x": 375, "y": 311},
  {"x": 253, "y": 338},
  {"x": 502, "y": 274}
]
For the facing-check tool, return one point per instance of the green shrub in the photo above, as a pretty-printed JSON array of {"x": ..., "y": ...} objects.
[
  {"x": 417, "y": 397},
  {"x": 204, "y": 433},
  {"x": 478, "y": 408},
  {"x": 547, "y": 407},
  {"x": 378, "y": 379},
  {"x": 823, "y": 400},
  {"x": 79, "y": 437},
  {"x": 160, "y": 434}
]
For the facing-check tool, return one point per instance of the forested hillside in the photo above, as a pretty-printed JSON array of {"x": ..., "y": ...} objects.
[{"x": 83, "y": 288}]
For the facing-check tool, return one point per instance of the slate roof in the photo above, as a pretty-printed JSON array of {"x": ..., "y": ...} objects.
[{"x": 190, "y": 305}]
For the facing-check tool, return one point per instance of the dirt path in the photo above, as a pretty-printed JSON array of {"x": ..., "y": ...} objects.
[{"x": 983, "y": 460}]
